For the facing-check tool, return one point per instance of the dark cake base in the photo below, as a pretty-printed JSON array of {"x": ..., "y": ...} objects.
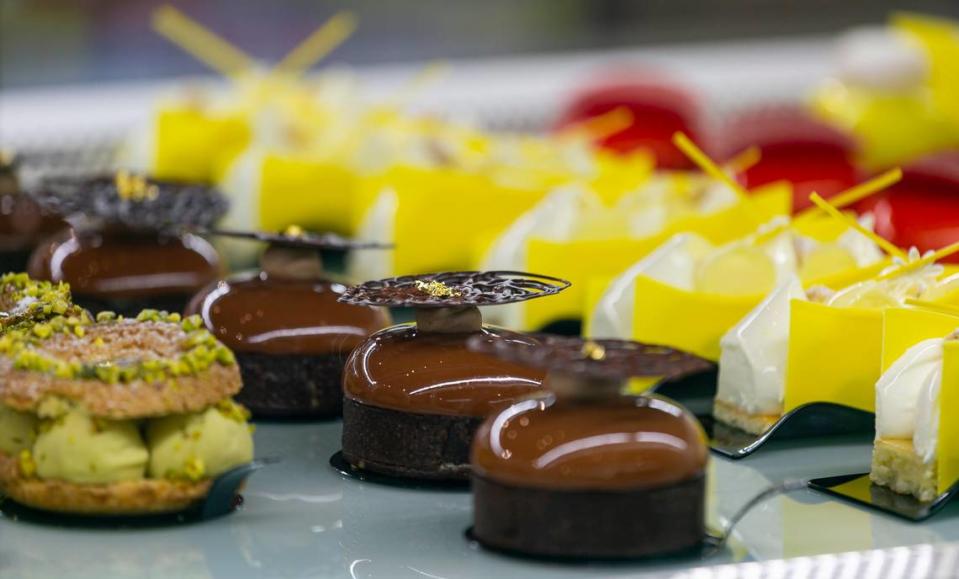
[
  {"x": 131, "y": 307},
  {"x": 14, "y": 261},
  {"x": 407, "y": 444},
  {"x": 291, "y": 386},
  {"x": 590, "y": 524}
]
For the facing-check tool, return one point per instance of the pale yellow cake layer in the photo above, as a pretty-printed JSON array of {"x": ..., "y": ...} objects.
[
  {"x": 896, "y": 465},
  {"x": 735, "y": 416}
]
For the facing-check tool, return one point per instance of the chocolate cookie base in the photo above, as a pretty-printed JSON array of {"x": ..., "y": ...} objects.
[
  {"x": 407, "y": 444},
  {"x": 15, "y": 260},
  {"x": 589, "y": 524},
  {"x": 133, "y": 306},
  {"x": 291, "y": 386}
]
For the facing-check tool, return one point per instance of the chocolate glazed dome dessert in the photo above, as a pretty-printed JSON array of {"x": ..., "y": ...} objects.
[
  {"x": 414, "y": 393},
  {"x": 23, "y": 223},
  {"x": 126, "y": 250},
  {"x": 290, "y": 335},
  {"x": 587, "y": 472}
]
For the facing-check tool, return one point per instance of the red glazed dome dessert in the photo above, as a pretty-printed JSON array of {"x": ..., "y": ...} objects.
[
  {"x": 588, "y": 472},
  {"x": 812, "y": 156},
  {"x": 922, "y": 210},
  {"x": 414, "y": 393},
  {"x": 660, "y": 108}
]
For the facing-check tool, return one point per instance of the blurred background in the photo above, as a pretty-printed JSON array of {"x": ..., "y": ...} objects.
[
  {"x": 486, "y": 116},
  {"x": 45, "y": 42}
]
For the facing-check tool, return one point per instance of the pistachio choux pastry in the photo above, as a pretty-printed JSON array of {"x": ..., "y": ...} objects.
[{"x": 117, "y": 416}]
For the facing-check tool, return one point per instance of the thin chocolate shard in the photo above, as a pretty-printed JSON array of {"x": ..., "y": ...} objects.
[
  {"x": 602, "y": 359},
  {"x": 132, "y": 201},
  {"x": 451, "y": 289},
  {"x": 297, "y": 238}
]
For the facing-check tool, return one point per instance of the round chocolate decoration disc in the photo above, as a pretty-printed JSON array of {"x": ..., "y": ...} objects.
[
  {"x": 452, "y": 289},
  {"x": 132, "y": 201},
  {"x": 610, "y": 359},
  {"x": 297, "y": 238}
]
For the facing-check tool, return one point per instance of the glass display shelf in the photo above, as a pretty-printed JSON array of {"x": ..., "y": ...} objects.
[{"x": 302, "y": 518}]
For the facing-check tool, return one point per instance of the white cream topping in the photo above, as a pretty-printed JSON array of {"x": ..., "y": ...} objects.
[
  {"x": 927, "y": 417},
  {"x": 860, "y": 247},
  {"x": 673, "y": 263},
  {"x": 907, "y": 397},
  {"x": 752, "y": 365}
]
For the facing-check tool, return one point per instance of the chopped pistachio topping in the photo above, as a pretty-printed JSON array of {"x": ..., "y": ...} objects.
[
  {"x": 200, "y": 350},
  {"x": 28, "y": 468},
  {"x": 27, "y": 299},
  {"x": 194, "y": 469},
  {"x": 106, "y": 317},
  {"x": 437, "y": 289},
  {"x": 233, "y": 411}
]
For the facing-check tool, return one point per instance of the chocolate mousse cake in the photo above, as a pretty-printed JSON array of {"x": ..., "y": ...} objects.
[
  {"x": 414, "y": 393},
  {"x": 126, "y": 249},
  {"x": 23, "y": 223},
  {"x": 585, "y": 471},
  {"x": 290, "y": 335}
]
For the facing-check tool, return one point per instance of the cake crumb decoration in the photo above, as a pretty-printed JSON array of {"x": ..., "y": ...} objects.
[
  {"x": 594, "y": 351},
  {"x": 294, "y": 231},
  {"x": 135, "y": 187},
  {"x": 437, "y": 289}
]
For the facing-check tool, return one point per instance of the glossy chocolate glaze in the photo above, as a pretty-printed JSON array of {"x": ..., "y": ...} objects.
[
  {"x": 276, "y": 315},
  {"x": 403, "y": 368},
  {"x": 619, "y": 443},
  {"x": 23, "y": 224},
  {"x": 121, "y": 265}
]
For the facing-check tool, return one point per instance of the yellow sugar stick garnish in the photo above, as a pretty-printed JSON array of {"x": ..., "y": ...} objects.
[
  {"x": 866, "y": 189},
  {"x": 601, "y": 126},
  {"x": 200, "y": 42},
  {"x": 932, "y": 306},
  {"x": 318, "y": 45},
  {"x": 838, "y": 201},
  {"x": 744, "y": 160},
  {"x": 919, "y": 263},
  {"x": 764, "y": 236},
  {"x": 707, "y": 165},
  {"x": 886, "y": 245},
  {"x": 857, "y": 193},
  {"x": 429, "y": 74}
]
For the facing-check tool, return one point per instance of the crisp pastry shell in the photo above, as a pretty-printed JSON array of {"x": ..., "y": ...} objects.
[{"x": 136, "y": 497}]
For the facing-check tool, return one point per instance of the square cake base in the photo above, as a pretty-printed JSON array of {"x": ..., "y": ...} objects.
[
  {"x": 735, "y": 416},
  {"x": 896, "y": 465}
]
